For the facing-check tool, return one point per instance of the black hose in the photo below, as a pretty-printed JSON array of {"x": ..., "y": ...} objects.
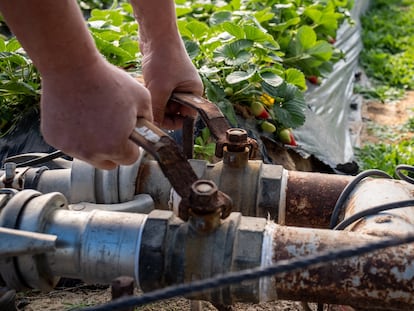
[
  {"x": 348, "y": 189},
  {"x": 372, "y": 211},
  {"x": 40, "y": 160},
  {"x": 403, "y": 167}
]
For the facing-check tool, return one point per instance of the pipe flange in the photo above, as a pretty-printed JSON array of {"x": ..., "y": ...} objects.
[
  {"x": 127, "y": 178},
  {"x": 9, "y": 217},
  {"x": 82, "y": 181},
  {"x": 34, "y": 219}
]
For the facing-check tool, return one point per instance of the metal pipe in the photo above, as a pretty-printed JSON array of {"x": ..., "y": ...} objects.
[
  {"x": 310, "y": 198},
  {"x": 256, "y": 189},
  {"x": 160, "y": 249}
]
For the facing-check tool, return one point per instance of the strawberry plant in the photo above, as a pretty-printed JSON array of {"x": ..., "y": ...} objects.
[
  {"x": 249, "y": 53},
  {"x": 388, "y": 33},
  {"x": 115, "y": 33},
  {"x": 19, "y": 85}
]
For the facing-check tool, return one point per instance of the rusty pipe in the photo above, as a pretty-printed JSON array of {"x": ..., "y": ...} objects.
[
  {"x": 310, "y": 198},
  {"x": 257, "y": 189},
  {"x": 160, "y": 249},
  {"x": 261, "y": 190}
]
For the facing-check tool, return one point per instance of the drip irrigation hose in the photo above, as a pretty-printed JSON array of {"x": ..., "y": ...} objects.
[
  {"x": 372, "y": 211},
  {"x": 283, "y": 266},
  {"x": 348, "y": 189},
  {"x": 408, "y": 168},
  {"x": 39, "y": 160}
]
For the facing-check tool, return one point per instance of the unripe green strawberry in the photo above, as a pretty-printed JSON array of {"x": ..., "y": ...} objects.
[
  {"x": 268, "y": 127},
  {"x": 259, "y": 111},
  {"x": 286, "y": 137},
  {"x": 228, "y": 91}
]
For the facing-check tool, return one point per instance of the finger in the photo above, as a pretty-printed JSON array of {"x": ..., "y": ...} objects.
[{"x": 159, "y": 98}]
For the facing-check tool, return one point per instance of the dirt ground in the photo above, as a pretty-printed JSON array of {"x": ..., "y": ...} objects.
[
  {"x": 379, "y": 117},
  {"x": 374, "y": 115}
]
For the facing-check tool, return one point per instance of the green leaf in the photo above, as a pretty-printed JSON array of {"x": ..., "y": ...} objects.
[
  {"x": 13, "y": 58},
  {"x": 291, "y": 111},
  {"x": 296, "y": 77},
  {"x": 13, "y": 45},
  {"x": 197, "y": 29},
  {"x": 234, "y": 53},
  {"x": 234, "y": 30},
  {"x": 228, "y": 110},
  {"x": 192, "y": 48},
  {"x": 213, "y": 91},
  {"x": 314, "y": 14},
  {"x": 113, "y": 54},
  {"x": 306, "y": 37},
  {"x": 271, "y": 78},
  {"x": 321, "y": 50},
  {"x": 264, "y": 15},
  {"x": 220, "y": 17},
  {"x": 181, "y": 10},
  {"x": 239, "y": 76},
  {"x": 17, "y": 87},
  {"x": 257, "y": 35}
]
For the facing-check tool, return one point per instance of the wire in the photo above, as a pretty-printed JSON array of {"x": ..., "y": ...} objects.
[
  {"x": 39, "y": 160},
  {"x": 282, "y": 266},
  {"x": 348, "y": 189},
  {"x": 372, "y": 211},
  {"x": 403, "y": 167}
]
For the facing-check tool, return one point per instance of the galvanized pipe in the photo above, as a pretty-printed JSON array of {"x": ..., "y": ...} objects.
[
  {"x": 96, "y": 246},
  {"x": 257, "y": 189},
  {"x": 160, "y": 249}
]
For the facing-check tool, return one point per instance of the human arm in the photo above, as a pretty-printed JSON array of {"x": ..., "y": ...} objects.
[
  {"x": 166, "y": 64},
  {"x": 88, "y": 107}
]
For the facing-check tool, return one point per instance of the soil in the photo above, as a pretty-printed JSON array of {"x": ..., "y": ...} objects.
[
  {"x": 386, "y": 117},
  {"x": 374, "y": 115}
]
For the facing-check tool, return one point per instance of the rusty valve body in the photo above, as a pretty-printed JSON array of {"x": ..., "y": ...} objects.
[{"x": 208, "y": 205}]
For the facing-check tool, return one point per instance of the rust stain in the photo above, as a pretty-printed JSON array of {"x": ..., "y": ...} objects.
[{"x": 310, "y": 198}]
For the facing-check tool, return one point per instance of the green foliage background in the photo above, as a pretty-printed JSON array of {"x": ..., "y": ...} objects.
[
  {"x": 388, "y": 59},
  {"x": 242, "y": 50}
]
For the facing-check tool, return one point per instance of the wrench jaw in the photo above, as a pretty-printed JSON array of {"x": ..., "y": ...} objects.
[{"x": 201, "y": 202}]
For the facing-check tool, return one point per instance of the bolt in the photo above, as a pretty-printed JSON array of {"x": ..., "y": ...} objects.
[
  {"x": 122, "y": 286},
  {"x": 236, "y": 135},
  {"x": 202, "y": 193},
  {"x": 10, "y": 171}
]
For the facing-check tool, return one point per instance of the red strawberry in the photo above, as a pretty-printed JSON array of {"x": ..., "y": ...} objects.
[
  {"x": 331, "y": 40},
  {"x": 259, "y": 111},
  {"x": 286, "y": 137},
  {"x": 314, "y": 80}
]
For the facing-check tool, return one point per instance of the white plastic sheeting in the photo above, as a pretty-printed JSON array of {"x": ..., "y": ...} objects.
[{"x": 325, "y": 133}]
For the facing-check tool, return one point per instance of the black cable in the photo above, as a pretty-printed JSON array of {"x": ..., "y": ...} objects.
[
  {"x": 372, "y": 211},
  {"x": 282, "y": 266},
  {"x": 403, "y": 167},
  {"x": 348, "y": 189},
  {"x": 40, "y": 160}
]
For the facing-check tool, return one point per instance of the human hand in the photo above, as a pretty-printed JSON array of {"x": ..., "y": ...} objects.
[
  {"x": 167, "y": 68},
  {"x": 89, "y": 113}
]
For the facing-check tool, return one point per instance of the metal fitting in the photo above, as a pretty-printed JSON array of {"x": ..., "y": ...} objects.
[
  {"x": 12, "y": 177},
  {"x": 236, "y": 151},
  {"x": 207, "y": 206},
  {"x": 172, "y": 252},
  {"x": 98, "y": 245},
  {"x": 237, "y": 136},
  {"x": 203, "y": 194}
]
